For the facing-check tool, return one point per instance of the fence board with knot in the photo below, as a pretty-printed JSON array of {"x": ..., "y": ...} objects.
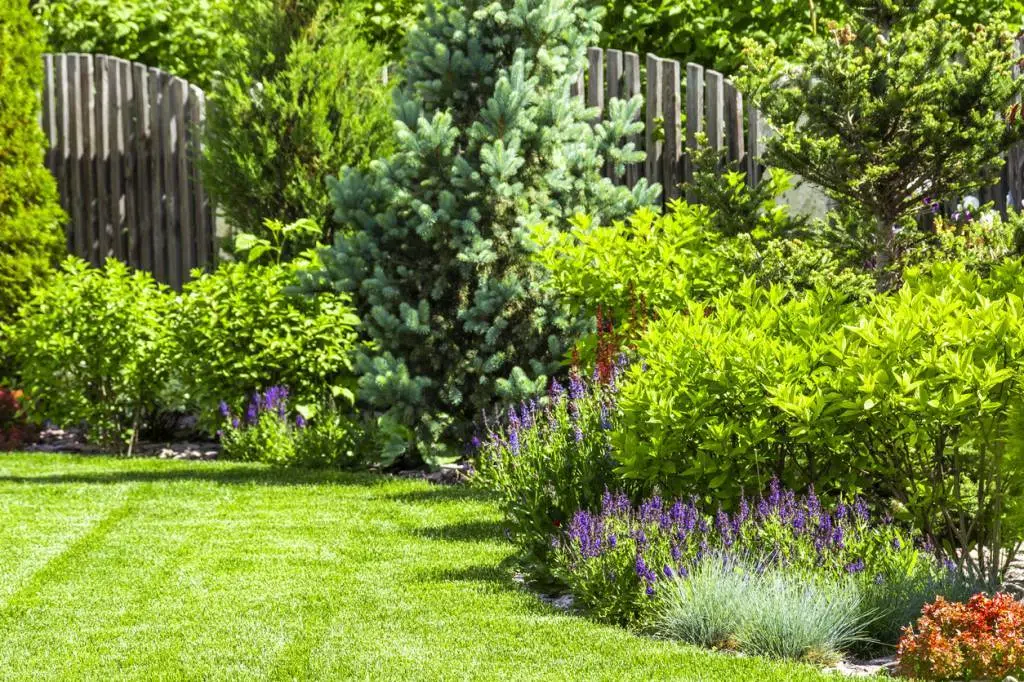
[{"x": 124, "y": 145}]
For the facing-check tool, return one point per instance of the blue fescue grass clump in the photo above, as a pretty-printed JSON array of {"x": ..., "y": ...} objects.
[
  {"x": 618, "y": 562},
  {"x": 735, "y": 603}
]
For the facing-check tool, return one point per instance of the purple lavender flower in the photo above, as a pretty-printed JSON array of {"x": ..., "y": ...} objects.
[
  {"x": 855, "y": 566},
  {"x": 526, "y": 415},
  {"x": 300, "y": 422},
  {"x": 813, "y": 504},
  {"x": 474, "y": 442},
  {"x": 640, "y": 538},
  {"x": 640, "y": 566},
  {"x": 744, "y": 511},
  {"x": 650, "y": 591},
  {"x": 606, "y": 501},
  {"x": 577, "y": 433},
  {"x": 896, "y": 544},
  {"x": 613, "y": 541},
  {"x": 234, "y": 422},
  {"x": 676, "y": 552},
  {"x": 513, "y": 440},
  {"x": 225, "y": 411},
  {"x": 774, "y": 493},
  {"x": 514, "y": 422},
  {"x": 606, "y": 423},
  {"x": 577, "y": 389},
  {"x": 676, "y": 513},
  {"x": 667, "y": 570},
  {"x": 650, "y": 509},
  {"x": 799, "y": 522},
  {"x": 555, "y": 392},
  {"x": 252, "y": 414},
  {"x": 838, "y": 540},
  {"x": 860, "y": 508}
]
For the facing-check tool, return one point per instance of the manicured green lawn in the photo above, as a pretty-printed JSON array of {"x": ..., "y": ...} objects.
[{"x": 143, "y": 569}]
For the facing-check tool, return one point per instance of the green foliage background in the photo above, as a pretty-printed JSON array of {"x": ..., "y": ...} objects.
[{"x": 711, "y": 32}]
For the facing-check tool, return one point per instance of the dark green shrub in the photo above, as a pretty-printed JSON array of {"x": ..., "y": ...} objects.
[
  {"x": 187, "y": 38},
  {"x": 902, "y": 105},
  {"x": 238, "y": 330},
  {"x": 92, "y": 348},
  {"x": 435, "y": 245},
  {"x": 280, "y": 124},
  {"x": 914, "y": 397},
  {"x": 31, "y": 239}
]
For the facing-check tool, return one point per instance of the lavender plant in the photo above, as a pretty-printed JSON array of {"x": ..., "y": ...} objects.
[
  {"x": 271, "y": 432},
  {"x": 616, "y": 561},
  {"x": 551, "y": 458}
]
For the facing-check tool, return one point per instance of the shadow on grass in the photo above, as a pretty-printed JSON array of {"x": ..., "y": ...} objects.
[
  {"x": 461, "y": 492},
  {"x": 203, "y": 472},
  {"x": 497, "y": 578},
  {"x": 465, "y": 531}
]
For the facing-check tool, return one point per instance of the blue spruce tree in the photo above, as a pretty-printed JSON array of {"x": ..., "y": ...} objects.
[{"x": 435, "y": 242}]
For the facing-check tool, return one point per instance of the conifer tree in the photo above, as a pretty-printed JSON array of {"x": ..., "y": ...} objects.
[
  {"x": 436, "y": 252},
  {"x": 900, "y": 105},
  {"x": 31, "y": 238}
]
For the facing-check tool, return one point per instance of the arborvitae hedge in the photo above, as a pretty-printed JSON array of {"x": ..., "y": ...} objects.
[{"x": 30, "y": 216}]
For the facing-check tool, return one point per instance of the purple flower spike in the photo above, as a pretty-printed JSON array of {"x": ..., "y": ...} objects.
[
  {"x": 252, "y": 414},
  {"x": 300, "y": 422},
  {"x": 555, "y": 392},
  {"x": 577, "y": 388},
  {"x": 225, "y": 411},
  {"x": 860, "y": 508}
]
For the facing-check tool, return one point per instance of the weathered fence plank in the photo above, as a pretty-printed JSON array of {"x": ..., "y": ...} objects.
[
  {"x": 734, "y": 122},
  {"x": 102, "y": 125},
  {"x": 673, "y": 150},
  {"x": 123, "y": 146},
  {"x": 595, "y": 81},
  {"x": 631, "y": 85},
  {"x": 653, "y": 143}
]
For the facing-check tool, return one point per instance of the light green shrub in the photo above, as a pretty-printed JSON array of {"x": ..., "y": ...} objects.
[
  {"x": 239, "y": 330},
  {"x": 92, "y": 348},
  {"x": 914, "y": 397}
]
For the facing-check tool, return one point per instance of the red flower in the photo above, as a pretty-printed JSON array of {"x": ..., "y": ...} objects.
[{"x": 981, "y": 639}]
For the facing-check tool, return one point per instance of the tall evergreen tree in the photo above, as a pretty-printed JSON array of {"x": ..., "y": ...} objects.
[
  {"x": 31, "y": 239},
  {"x": 436, "y": 249}
]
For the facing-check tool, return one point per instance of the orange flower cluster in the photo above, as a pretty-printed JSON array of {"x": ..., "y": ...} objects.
[{"x": 980, "y": 640}]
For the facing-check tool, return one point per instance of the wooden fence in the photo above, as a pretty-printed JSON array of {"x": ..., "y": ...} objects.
[
  {"x": 713, "y": 106},
  {"x": 123, "y": 146}
]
